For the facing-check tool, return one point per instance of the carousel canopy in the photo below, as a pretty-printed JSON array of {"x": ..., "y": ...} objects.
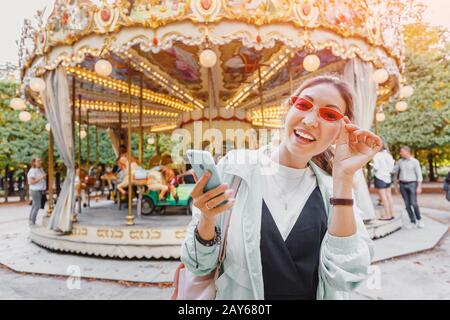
[{"x": 157, "y": 52}]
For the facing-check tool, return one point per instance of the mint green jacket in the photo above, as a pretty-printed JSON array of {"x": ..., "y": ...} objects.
[{"x": 343, "y": 260}]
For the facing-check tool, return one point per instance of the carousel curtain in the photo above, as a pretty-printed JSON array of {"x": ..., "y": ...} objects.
[
  {"x": 57, "y": 109},
  {"x": 114, "y": 136},
  {"x": 359, "y": 75}
]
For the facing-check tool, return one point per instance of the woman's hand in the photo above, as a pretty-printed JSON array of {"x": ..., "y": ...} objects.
[
  {"x": 354, "y": 149},
  {"x": 210, "y": 205}
]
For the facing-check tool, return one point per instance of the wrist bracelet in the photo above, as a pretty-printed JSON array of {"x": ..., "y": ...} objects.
[
  {"x": 341, "y": 202},
  {"x": 208, "y": 243}
]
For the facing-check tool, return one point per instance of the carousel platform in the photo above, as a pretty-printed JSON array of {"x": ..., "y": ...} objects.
[{"x": 101, "y": 231}]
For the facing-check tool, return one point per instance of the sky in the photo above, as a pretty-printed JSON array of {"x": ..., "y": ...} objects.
[{"x": 12, "y": 13}]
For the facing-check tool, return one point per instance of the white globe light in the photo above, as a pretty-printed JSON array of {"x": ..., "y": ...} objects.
[
  {"x": 401, "y": 106},
  {"x": 406, "y": 92},
  {"x": 24, "y": 116},
  {"x": 311, "y": 63},
  {"x": 103, "y": 68},
  {"x": 47, "y": 127},
  {"x": 208, "y": 58},
  {"x": 83, "y": 134},
  {"x": 380, "y": 116},
  {"x": 37, "y": 84},
  {"x": 380, "y": 76},
  {"x": 17, "y": 104},
  {"x": 150, "y": 140}
]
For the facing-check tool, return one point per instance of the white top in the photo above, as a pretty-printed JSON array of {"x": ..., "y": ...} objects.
[
  {"x": 285, "y": 192},
  {"x": 36, "y": 173},
  {"x": 383, "y": 164}
]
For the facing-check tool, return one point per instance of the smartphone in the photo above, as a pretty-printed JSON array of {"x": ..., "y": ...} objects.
[{"x": 201, "y": 162}]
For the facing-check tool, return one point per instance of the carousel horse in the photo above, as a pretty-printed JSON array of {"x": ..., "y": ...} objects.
[
  {"x": 152, "y": 179},
  {"x": 84, "y": 185},
  {"x": 109, "y": 177},
  {"x": 80, "y": 186}
]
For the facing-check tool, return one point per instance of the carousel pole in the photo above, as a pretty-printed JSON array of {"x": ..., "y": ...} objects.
[
  {"x": 88, "y": 144},
  {"x": 261, "y": 96},
  {"x": 79, "y": 133},
  {"x": 79, "y": 156},
  {"x": 96, "y": 146},
  {"x": 50, "y": 172},
  {"x": 130, "y": 217},
  {"x": 74, "y": 99},
  {"x": 141, "y": 128},
  {"x": 120, "y": 124},
  {"x": 291, "y": 85},
  {"x": 211, "y": 96}
]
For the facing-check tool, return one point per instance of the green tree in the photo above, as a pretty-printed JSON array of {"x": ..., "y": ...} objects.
[
  {"x": 425, "y": 125},
  {"x": 19, "y": 141}
]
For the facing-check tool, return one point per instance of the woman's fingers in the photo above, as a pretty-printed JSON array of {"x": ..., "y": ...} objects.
[
  {"x": 212, "y": 203},
  {"x": 200, "y": 185},
  {"x": 367, "y": 138},
  {"x": 202, "y": 199},
  {"x": 222, "y": 208}
]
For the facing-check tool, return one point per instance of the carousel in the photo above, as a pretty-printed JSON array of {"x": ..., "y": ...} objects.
[{"x": 134, "y": 67}]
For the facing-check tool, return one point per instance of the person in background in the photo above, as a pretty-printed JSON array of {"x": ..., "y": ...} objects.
[
  {"x": 410, "y": 176},
  {"x": 37, "y": 182},
  {"x": 447, "y": 186},
  {"x": 383, "y": 165}
]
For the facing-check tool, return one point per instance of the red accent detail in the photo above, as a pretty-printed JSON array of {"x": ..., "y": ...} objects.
[
  {"x": 105, "y": 14},
  {"x": 258, "y": 38},
  {"x": 155, "y": 41},
  {"x": 206, "y": 4},
  {"x": 306, "y": 9}
]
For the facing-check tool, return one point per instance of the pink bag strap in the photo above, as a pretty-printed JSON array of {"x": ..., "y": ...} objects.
[{"x": 235, "y": 183}]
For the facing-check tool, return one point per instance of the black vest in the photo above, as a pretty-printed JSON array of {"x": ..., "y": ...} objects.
[{"x": 290, "y": 268}]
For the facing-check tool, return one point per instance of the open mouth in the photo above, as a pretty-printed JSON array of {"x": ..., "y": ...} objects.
[{"x": 304, "y": 136}]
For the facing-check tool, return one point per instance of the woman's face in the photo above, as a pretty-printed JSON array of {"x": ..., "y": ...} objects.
[{"x": 306, "y": 133}]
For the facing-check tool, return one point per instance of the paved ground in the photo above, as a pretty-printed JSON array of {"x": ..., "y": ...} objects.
[{"x": 419, "y": 276}]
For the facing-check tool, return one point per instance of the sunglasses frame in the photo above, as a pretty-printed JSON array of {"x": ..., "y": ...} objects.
[{"x": 318, "y": 108}]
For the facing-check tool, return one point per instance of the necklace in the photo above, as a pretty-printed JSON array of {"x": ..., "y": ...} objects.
[{"x": 294, "y": 193}]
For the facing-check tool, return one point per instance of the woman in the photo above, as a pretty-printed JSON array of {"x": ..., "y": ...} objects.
[
  {"x": 285, "y": 240},
  {"x": 383, "y": 164},
  {"x": 37, "y": 181}
]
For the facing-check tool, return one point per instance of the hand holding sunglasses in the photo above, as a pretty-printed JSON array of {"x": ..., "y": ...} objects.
[{"x": 355, "y": 147}]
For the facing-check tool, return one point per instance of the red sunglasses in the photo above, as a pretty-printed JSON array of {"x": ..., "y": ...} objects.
[{"x": 326, "y": 113}]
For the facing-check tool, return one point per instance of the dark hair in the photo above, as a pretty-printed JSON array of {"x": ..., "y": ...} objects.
[{"x": 324, "y": 160}]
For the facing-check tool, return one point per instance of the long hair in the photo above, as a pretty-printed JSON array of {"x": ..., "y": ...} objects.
[{"x": 325, "y": 159}]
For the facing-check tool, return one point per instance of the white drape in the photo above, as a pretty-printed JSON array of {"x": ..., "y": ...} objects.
[
  {"x": 359, "y": 75},
  {"x": 58, "y": 111},
  {"x": 114, "y": 136}
]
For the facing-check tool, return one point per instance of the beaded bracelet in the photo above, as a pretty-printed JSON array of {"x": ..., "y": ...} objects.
[{"x": 208, "y": 243}]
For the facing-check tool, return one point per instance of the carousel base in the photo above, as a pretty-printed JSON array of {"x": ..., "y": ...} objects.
[
  {"x": 379, "y": 228},
  {"x": 101, "y": 230}
]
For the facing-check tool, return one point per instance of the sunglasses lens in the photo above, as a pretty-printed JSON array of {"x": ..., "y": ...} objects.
[
  {"x": 330, "y": 114},
  {"x": 301, "y": 104}
]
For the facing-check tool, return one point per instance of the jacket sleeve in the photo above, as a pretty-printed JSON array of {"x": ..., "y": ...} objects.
[
  {"x": 344, "y": 261},
  {"x": 197, "y": 258}
]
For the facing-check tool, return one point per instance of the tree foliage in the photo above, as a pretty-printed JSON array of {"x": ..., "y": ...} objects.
[{"x": 424, "y": 126}]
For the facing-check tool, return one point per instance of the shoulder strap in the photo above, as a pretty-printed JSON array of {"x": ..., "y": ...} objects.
[{"x": 235, "y": 183}]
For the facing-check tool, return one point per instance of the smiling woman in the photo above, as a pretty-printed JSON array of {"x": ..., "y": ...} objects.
[
  {"x": 294, "y": 232},
  {"x": 333, "y": 99}
]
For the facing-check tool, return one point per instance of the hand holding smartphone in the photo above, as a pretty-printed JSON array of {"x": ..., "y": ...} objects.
[{"x": 214, "y": 194}]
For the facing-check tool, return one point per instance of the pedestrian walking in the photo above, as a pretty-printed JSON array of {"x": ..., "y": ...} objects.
[{"x": 410, "y": 176}]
